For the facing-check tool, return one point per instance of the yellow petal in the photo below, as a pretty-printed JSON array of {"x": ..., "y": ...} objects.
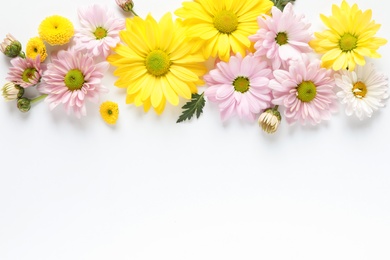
[
  {"x": 147, "y": 105},
  {"x": 179, "y": 86},
  {"x": 169, "y": 93},
  {"x": 160, "y": 107},
  {"x": 147, "y": 88},
  {"x": 340, "y": 62},
  {"x": 332, "y": 54},
  {"x": 152, "y": 34},
  {"x": 183, "y": 74},
  {"x": 223, "y": 47},
  {"x": 157, "y": 94}
]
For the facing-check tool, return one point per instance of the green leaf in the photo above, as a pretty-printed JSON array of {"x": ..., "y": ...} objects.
[
  {"x": 195, "y": 106},
  {"x": 282, "y": 3}
]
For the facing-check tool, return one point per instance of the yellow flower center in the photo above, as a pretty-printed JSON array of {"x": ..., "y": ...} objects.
[
  {"x": 226, "y": 21},
  {"x": 74, "y": 79},
  {"x": 348, "y": 42},
  {"x": 359, "y": 89},
  {"x": 100, "y": 33},
  {"x": 157, "y": 63},
  {"x": 28, "y": 74},
  {"x": 281, "y": 38},
  {"x": 241, "y": 84},
  {"x": 306, "y": 91}
]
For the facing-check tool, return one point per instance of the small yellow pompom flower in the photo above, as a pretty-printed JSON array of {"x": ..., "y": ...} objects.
[
  {"x": 109, "y": 111},
  {"x": 35, "y": 46},
  {"x": 56, "y": 30}
]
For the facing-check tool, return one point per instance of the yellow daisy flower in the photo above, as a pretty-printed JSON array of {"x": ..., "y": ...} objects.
[
  {"x": 349, "y": 39},
  {"x": 156, "y": 63},
  {"x": 222, "y": 27},
  {"x": 56, "y": 30},
  {"x": 109, "y": 111},
  {"x": 35, "y": 46}
]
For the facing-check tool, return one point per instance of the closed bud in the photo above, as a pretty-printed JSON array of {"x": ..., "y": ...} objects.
[
  {"x": 12, "y": 91},
  {"x": 269, "y": 120},
  {"x": 126, "y": 5},
  {"x": 11, "y": 47},
  {"x": 24, "y": 104}
]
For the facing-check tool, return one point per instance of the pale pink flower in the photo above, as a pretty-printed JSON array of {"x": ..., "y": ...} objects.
[
  {"x": 305, "y": 90},
  {"x": 239, "y": 87},
  {"x": 282, "y": 36},
  {"x": 99, "y": 30},
  {"x": 25, "y": 72},
  {"x": 72, "y": 78}
]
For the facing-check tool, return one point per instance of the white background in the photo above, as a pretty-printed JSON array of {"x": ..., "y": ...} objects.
[{"x": 149, "y": 188}]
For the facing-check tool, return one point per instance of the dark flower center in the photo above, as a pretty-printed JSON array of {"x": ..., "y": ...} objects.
[
  {"x": 281, "y": 38},
  {"x": 74, "y": 79},
  {"x": 241, "y": 84},
  {"x": 28, "y": 74},
  {"x": 306, "y": 91}
]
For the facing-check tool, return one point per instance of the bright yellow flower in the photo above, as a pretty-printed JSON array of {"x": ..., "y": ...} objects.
[
  {"x": 222, "y": 27},
  {"x": 156, "y": 63},
  {"x": 35, "y": 46},
  {"x": 349, "y": 39},
  {"x": 109, "y": 111},
  {"x": 56, "y": 30}
]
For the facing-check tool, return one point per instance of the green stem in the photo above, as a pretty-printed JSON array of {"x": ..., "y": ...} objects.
[
  {"x": 39, "y": 98},
  {"x": 22, "y": 55},
  {"x": 134, "y": 13}
]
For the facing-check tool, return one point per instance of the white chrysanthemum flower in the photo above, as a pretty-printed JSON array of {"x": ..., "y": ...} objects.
[{"x": 363, "y": 90}]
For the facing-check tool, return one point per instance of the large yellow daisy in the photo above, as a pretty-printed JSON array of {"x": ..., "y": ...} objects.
[
  {"x": 156, "y": 63},
  {"x": 349, "y": 39},
  {"x": 222, "y": 27}
]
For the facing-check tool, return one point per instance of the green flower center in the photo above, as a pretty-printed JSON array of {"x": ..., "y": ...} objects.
[
  {"x": 281, "y": 38},
  {"x": 157, "y": 63},
  {"x": 241, "y": 84},
  {"x": 109, "y": 111},
  {"x": 359, "y": 89},
  {"x": 100, "y": 33},
  {"x": 28, "y": 74},
  {"x": 306, "y": 91},
  {"x": 348, "y": 42},
  {"x": 226, "y": 21},
  {"x": 74, "y": 79}
]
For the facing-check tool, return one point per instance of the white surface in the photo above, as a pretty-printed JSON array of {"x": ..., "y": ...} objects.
[{"x": 149, "y": 188}]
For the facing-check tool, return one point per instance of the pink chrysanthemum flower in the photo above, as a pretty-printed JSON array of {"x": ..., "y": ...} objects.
[
  {"x": 305, "y": 90},
  {"x": 282, "y": 36},
  {"x": 72, "y": 78},
  {"x": 99, "y": 30},
  {"x": 25, "y": 72},
  {"x": 240, "y": 86}
]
